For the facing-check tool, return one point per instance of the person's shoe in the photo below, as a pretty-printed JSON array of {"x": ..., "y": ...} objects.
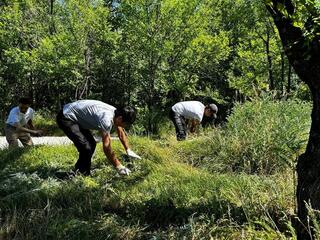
[{"x": 82, "y": 172}]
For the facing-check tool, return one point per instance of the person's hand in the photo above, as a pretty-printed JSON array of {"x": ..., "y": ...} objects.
[
  {"x": 38, "y": 133},
  {"x": 132, "y": 154},
  {"x": 123, "y": 171}
]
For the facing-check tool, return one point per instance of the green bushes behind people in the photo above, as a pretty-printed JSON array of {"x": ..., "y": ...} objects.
[{"x": 46, "y": 121}]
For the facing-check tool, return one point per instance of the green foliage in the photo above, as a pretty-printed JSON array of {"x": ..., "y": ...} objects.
[
  {"x": 147, "y": 53},
  {"x": 166, "y": 43},
  {"x": 258, "y": 63},
  {"x": 47, "y": 123}
]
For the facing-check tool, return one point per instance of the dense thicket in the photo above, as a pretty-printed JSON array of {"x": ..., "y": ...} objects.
[{"x": 148, "y": 53}]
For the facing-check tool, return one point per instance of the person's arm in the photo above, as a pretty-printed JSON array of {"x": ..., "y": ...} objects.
[
  {"x": 124, "y": 140},
  {"x": 106, "y": 144},
  {"x": 123, "y": 137},
  {"x": 30, "y": 125},
  {"x": 24, "y": 129}
]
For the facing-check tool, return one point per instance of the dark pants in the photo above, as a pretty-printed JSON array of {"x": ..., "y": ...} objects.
[
  {"x": 180, "y": 125},
  {"x": 82, "y": 139}
]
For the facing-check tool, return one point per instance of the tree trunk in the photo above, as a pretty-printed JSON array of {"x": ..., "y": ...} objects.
[
  {"x": 282, "y": 69},
  {"x": 269, "y": 59},
  {"x": 52, "y": 28},
  {"x": 308, "y": 170},
  {"x": 304, "y": 56},
  {"x": 289, "y": 79}
]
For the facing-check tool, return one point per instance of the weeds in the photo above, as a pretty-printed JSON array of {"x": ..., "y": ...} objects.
[{"x": 228, "y": 183}]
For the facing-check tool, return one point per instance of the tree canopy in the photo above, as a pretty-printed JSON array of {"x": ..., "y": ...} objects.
[{"x": 148, "y": 53}]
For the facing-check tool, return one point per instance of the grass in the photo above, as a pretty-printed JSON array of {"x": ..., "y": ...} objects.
[
  {"x": 197, "y": 189},
  {"x": 163, "y": 198}
]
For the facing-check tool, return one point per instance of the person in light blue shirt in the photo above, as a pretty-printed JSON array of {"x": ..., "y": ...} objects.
[{"x": 76, "y": 119}]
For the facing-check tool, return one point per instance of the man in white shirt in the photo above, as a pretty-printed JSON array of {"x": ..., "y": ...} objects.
[
  {"x": 190, "y": 110},
  {"x": 78, "y": 118},
  {"x": 19, "y": 124}
]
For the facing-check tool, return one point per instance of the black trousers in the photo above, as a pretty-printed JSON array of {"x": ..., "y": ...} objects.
[
  {"x": 180, "y": 125},
  {"x": 82, "y": 139}
]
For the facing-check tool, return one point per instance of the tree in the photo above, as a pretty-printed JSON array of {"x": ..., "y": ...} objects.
[
  {"x": 256, "y": 65},
  {"x": 166, "y": 44},
  {"x": 52, "y": 50},
  {"x": 299, "y": 27}
]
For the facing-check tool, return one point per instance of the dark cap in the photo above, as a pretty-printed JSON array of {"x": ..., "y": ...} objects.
[{"x": 214, "y": 108}]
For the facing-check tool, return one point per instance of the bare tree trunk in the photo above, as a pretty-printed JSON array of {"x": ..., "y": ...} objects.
[
  {"x": 289, "y": 78},
  {"x": 269, "y": 59},
  {"x": 266, "y": 41},
  {"x": 52, "y": 27},
  {"x": 282, "y": 69}
]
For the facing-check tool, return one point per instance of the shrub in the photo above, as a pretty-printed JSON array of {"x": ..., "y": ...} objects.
[{"x": 46, "y": 121}]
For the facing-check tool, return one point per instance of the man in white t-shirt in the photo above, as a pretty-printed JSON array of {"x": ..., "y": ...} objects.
[
  {"x": 19, "y": 124},
  {"x": 78, "y": 118},
  {"x": 190, "y": 110}
]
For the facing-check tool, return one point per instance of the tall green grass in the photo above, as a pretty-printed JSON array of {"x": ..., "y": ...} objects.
[
  {"x": 197, "y": 189},
  {"x": 260, "y": 137}
]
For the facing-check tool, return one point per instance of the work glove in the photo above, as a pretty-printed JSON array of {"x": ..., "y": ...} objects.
[
  {"x": 122, "y": 170},
  {"x": 132, "y": 154}
]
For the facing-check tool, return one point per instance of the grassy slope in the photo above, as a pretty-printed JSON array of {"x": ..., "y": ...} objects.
[
  {"x": 230, "y": 183},
  {"x": 164, "y": 197}
]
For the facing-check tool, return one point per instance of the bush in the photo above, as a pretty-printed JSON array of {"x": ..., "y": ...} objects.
[
  {"x": 271, "y": 134},
  {"x": 46, "y": 121}
]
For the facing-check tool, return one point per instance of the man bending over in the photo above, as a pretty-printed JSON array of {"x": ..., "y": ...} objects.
[
  {"x": 190, "y": 110},
  {"x": 78, "y": 118}
]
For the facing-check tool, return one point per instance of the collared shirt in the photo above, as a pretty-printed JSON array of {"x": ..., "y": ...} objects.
[{"x": 90, "y": 114}]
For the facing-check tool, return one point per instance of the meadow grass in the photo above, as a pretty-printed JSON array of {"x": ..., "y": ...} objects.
[
  {"x": 163, "y": 197},
  {"x": 197, "y": 189}
]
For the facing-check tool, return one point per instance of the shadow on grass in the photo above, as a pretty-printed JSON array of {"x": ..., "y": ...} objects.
[
  {"x": 80, "y": 207},
  {"x": 30, "y": 181},
  {"x": 158, "y": 214},
  {"x": 9, "y": 156}
]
